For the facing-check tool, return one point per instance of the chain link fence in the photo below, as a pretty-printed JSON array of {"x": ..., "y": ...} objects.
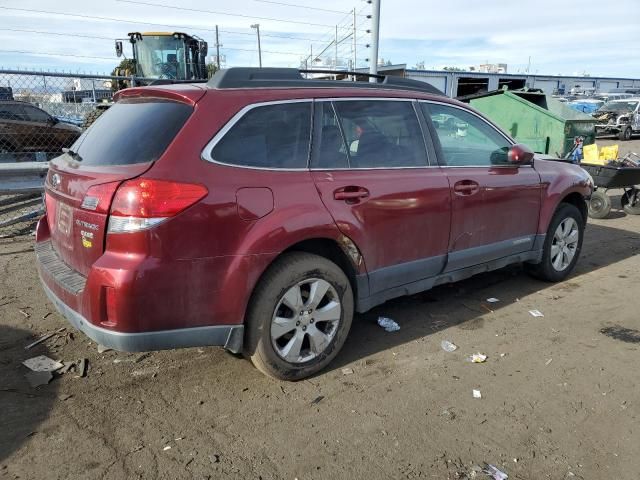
[{"x": 42, "y": 113}]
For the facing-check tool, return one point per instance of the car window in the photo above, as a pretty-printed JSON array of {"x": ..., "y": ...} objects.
[
  {"x": 329, "y": 149},
  {"x": 11, "y": 112},
  {"x": 132, "y": 131},
  {"x": 33, "y": 114},
  {"x": 465, "y": 139},
  {"x": 381, "y": 134},
  {"x": 269, "y": 136}
]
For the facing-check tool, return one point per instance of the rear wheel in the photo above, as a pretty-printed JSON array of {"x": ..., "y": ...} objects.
[
  {"x": 631, "y": 201},
  {"x": 562, "y": 245},
  {"x": 299, "y": 316},
  {"x": 599, "y": 205},
  {"x": 625, "y": 134}
]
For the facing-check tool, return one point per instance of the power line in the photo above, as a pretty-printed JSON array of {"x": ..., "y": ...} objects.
[
  {"x": 110, "y": 19},
  {"x": 215, "y": 12},
  {"x": 307, "y": 7},
  {"x": 55, "y": 33},
  {"x": 27, "y": 52},
  {"x": 263, "y": 51}
]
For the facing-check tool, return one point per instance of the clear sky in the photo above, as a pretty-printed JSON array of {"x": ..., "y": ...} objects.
[{"x": 589, "y": 36}]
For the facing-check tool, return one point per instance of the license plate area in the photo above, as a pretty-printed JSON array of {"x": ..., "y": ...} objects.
[{"x": 64, "y": 221}]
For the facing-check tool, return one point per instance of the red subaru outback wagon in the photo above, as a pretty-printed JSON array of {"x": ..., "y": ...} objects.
[{"x": 259, "y": 211}]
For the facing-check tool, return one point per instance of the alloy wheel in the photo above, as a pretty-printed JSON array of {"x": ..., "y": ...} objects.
[
  {"x": 565, "y": 244},
  {"x": 305, "y": 320}
]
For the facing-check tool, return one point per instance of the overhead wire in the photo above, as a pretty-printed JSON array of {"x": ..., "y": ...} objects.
[{"x": 215, "y": 12}]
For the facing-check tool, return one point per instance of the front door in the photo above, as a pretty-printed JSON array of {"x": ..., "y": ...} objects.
[
  {"x": 495, "y": 205},
  {"x": 370, "y": 167}
]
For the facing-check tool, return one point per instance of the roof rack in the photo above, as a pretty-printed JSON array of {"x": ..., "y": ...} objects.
[{"x": 245, "y": 77}]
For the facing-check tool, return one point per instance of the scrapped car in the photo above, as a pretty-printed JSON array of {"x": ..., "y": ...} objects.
[
  {"x": 260, "y": 210},
  {"x": 619, "y": 117},
  {"x": 27, "y": 129}
]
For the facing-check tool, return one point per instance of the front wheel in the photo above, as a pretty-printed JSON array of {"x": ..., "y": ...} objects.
[
  {"x": 299, "y": 316},
  {"x": 625, "y": 134},
  {"x": 562, "y": 245},
  {"x": 599, "y": 205}
]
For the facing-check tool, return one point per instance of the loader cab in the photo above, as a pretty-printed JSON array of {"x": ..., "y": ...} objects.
[{"x": 168, "y": 55}]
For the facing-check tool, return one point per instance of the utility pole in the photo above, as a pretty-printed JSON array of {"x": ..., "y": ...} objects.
[
  {"x": 335, "y": 57},
  {"x": 217, "y": 48},
  {"x": 257, "y": 27},
  {"x": 355, "y": 57},
  {"x": 375, "y": 38}
]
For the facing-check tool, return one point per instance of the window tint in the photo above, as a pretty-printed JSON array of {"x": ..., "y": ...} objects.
[
  {"x": 132, "y": 131},
  {"x": 466, "y": 140},
  {"x": 329, "y": 150},
  {"x": 271, "y": 136},
  {"x": 382, "y": 134},
  {"x": 33, "y": 114}
]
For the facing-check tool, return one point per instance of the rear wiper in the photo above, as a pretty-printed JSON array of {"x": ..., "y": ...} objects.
[{"x": 75, "y": 155}]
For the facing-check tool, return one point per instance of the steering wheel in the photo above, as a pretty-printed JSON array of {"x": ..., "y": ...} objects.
[{"x": 168, "y": 70}]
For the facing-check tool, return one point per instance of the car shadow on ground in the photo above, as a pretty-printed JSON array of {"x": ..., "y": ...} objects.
[
  {"x": 22, "y": 408},
  {"x": 461, "y": 304}
]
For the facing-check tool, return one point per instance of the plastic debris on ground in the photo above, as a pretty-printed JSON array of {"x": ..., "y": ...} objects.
[
  {"x": 536, "y": 313},
  {"x": 347, "y": 371},
  {"x": 495, "y": 473},
  {"x": 82, "y": 367},
  {"x": 477, "y": 394},
  {"x": 478, "y": 358},
  {"x": 492, "y": 300},
  {"x": 448, "y": 346},
  {"x": 388, "y": 324},
  {"x": 44, "y": 338},
  {"x": 42, "y": 363},
  {"x": 548, "y": 361},
  {"x": 36, "y": 379}
]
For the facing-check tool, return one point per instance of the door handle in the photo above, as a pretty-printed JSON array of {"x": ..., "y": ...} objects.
[
  {"x": 466, "y": 187},
  {"x": 351, "y": 194}
]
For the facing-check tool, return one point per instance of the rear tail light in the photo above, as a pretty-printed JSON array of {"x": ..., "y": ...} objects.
[
  {"x": 142, "y": 203},
  {"x": 111, "y": 318},
  {"x": 98, "y": 198}
]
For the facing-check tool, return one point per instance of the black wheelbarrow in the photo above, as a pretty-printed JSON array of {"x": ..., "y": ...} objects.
[{"x": 610, "y": 176}]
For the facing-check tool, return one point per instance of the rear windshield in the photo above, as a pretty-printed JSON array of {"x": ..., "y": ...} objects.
[{"x": 132, "y": 131}]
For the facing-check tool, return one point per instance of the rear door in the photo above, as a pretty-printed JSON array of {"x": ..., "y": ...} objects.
[
  {"x": 122, "y": 144},
  {"x": 371, "y": 168},
  {"x": 495, "y": 205}
]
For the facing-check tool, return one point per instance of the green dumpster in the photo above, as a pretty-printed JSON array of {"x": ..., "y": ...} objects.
[{"x": 535, "y": 119}]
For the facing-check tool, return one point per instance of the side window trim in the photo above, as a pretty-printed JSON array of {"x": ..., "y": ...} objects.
[
  {"x": 207, "y": 151},
  {"x": 433, "y": 159},
  {"x": 436, "y": 141},
  {"x": 429, "y": 147}
]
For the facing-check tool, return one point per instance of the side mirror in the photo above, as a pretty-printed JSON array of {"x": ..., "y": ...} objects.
[
  {"x": 118, "y": 48},
  {"x": 520, "y": 154}
]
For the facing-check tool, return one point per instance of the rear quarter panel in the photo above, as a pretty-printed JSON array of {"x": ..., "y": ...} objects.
[{"x": 559, "y": 179}]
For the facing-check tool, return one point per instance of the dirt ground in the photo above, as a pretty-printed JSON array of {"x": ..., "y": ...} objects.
[{"x": 559, "y": 393}]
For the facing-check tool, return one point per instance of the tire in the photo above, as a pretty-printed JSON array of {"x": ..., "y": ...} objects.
[
  {"x": 267, "y": 341},
  {"x": 625, "y": 134},
  {"x": 631, "y": 201},
  {"x": 91, "y": 117},
  {"x": 566, "y": 215},
  {"x": 599, "y": 205}
]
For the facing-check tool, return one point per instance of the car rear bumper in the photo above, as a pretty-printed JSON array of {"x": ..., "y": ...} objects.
[{"x": 229, "y": 336}]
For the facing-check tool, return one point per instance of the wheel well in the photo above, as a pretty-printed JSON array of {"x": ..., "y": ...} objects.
[
  {"x": 329, "y": 249},
  {"x": 578, "y": 201}
]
